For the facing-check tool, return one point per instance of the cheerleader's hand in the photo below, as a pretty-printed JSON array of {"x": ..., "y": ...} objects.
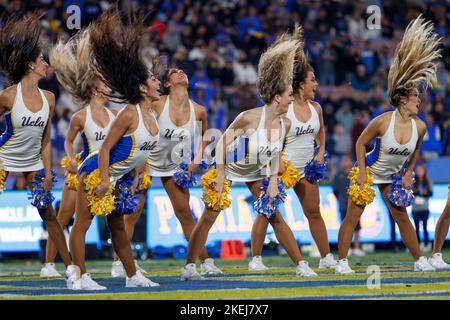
[
  {"x": 272, "y": 189},
  {"x": 47, "y": 184},
  {"x": 281, "y": 168},
  {"x": 407, "y": 180},
  {"x": 220, "y": 180},
  {"x": 101, "y": 190},
  {"x": 73, "y": 166},
  {"x": 192, "y": 167},
  {"x": 361, "y": 178},
  {"x": 320, "y": 157}
]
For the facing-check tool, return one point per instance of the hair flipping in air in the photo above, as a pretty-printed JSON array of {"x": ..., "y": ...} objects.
[
  {"x": 275, "y": 68},
  {"x": 116, "y": 49},
  {"x": 414, "y": 61},
  {"x": 301, "y": 63},
  {"x": 19, "y": 45},
  {"x": 71, "y": 63}
]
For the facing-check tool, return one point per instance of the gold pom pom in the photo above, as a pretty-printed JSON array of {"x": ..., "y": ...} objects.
[
  {"x": 210, "y": 194},
  {"x": 103, "y": 206},
  {"x": 361, "y": 195},
  {"x": 72, "y": 181},
  {"x": 71, "y": 178},
  {"x": 291, "y": 175},
  {"x": 2, "y": 177},
  {"x": 146, "y": 182},
  {"x": 65, "y": 162}
]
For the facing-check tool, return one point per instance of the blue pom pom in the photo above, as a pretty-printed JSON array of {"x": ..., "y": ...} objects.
[
  {"x": 126, "y": 202},
  {"x": 267, "y": 205},
  {"x": 399, "y": 195},
  {"x": 39, "y": 198},
  {"x": 315, "y": 171},
  {"x": 183, "y": 178}
]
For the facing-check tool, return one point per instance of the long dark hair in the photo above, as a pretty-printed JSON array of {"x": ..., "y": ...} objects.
[
  {"x": 116, "y": 49},
  {"x": 19, "y": 45}
]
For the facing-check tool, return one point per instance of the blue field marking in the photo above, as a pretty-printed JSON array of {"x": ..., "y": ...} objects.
[{"x": 172, "y": 283}]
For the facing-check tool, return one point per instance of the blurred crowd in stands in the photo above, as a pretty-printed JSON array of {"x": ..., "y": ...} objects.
[{"x": 218, "y": 44}]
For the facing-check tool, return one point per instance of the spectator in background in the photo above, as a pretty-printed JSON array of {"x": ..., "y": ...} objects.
[
  {"x": 344, "y": 116},
  {"x": 361, "y": 80},
  {"x": 327, "y": 67},
  {"x": 244, "y": 71},
  {"x": 342, "y": 141},
  {"x": 340, "y": 186},
  {"x": 200, "y": 81},
  {"x": 423, "y": 190},
  {"x": 432, "y": 145}
]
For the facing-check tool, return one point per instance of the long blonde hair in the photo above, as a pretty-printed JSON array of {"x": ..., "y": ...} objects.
[
  {"x": 276, "y": 65},
  {"x": 414, "y": 60},
  {"x": 72, "y": 64}
]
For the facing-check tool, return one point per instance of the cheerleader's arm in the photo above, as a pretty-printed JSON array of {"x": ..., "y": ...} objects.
[
  {"x": 119, "y": 128},
  {"x": 46, "y": 146},
  {"x": 407, "y": 177},
  {"x": 75, "y": 126}
]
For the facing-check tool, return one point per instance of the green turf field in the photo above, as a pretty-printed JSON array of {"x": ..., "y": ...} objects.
[{"x": 20, "y": 280}]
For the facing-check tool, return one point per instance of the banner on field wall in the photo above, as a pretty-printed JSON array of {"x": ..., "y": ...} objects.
[
  {"x": 163, "y": 228},
  {"x": 21, "y": 227}
]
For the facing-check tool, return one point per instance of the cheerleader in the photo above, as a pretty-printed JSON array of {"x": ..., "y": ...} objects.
[
  {"x": 25, "y": 144},
  {"x": 306, "y": 128},
  {"x": 125, "y": 147},
  {"x": 398, "y": 136},
  {"x": 264, "y": 131},
  {"x": 182, "y": 123},
  {"x": 70, "y": 61},
  {"x": 440, "y": 234}
]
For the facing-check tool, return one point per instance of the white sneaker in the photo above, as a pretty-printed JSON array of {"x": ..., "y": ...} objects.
[
  {"x": 358, "y": 252},
  {"x": 437, "y": 262},
  {"x": 257, "y": 264},
  {"x": 208, "y": 267},
  {"x": 303, "y": 270},
  {"x": 342, "y": 267},
  {"x": 189, "y": 272},
  {"x": 138, "y": 280},
  {"x": 139, "y": 268},
  {"x": 73, "y": 280},
  {"x": 117, "y": 269},
  {"x": 87, "y": 283},
  {"x": 49, "y": 270},
  {"x": 327, "y": 262},
  {"x": 423, "y": 265}
]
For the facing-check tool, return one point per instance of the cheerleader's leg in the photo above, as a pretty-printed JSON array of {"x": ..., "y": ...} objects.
[
  {"x": 347, "y": 228},
  {"x": 54, "y": 229},
  {"x": 407, "y": 231},
  {"x": 179, "y": 197},
  {"x": 83, "y": 220},
  {"x": 65, "y": 213},
  {"x": 308, "y": 194},
  {"x": 282, "y": 231},
  {"x": 441, "y": 231}
]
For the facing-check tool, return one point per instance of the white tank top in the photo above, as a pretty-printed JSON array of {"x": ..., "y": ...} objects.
[
  {"x": 176, "y": 143},
  {"x": 20, "y": 143},
  {"x": 93, "y": 135},
  {"x": 299, "y": 146},
  {"x": 388, "y": 156},
  {"x": 132, "y": 150},
  {"x": 259, "y": 151}
]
